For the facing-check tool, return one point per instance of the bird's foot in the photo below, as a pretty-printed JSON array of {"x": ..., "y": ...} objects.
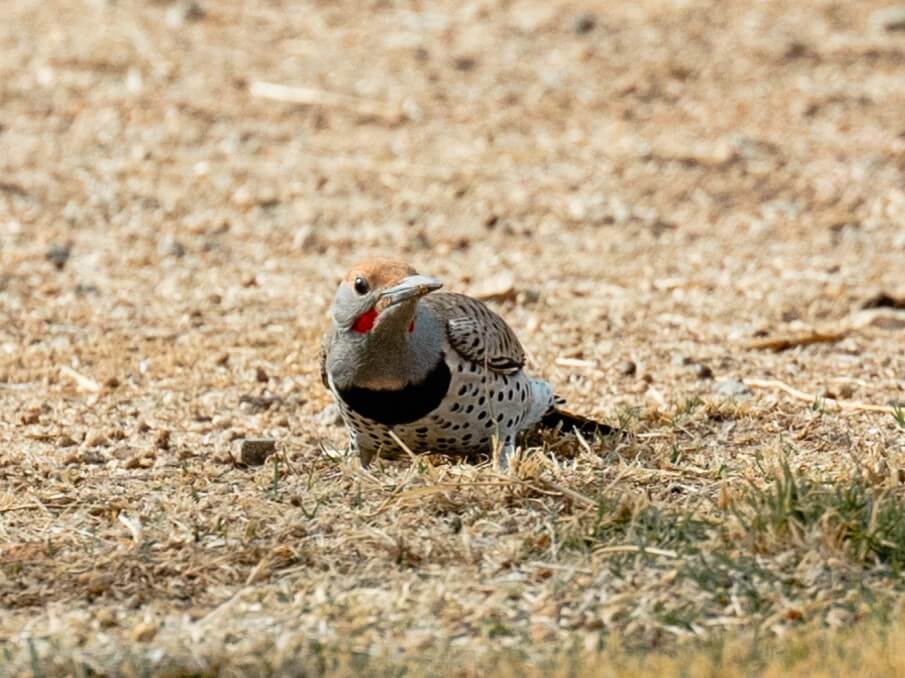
[{"x": 503, "y": 456}]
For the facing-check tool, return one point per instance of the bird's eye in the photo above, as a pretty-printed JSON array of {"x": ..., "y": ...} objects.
[{"x": 361, "y": 285}]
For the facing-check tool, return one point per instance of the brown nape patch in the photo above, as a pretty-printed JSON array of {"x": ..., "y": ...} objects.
[{"x": 380, "y": 272}]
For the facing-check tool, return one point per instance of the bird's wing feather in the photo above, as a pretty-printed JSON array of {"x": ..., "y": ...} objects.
[{"x": 477, "y": 333}]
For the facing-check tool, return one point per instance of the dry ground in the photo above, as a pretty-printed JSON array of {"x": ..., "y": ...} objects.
[{"x": 665, "y": 183}]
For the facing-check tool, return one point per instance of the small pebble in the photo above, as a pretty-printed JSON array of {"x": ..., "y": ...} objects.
[
  {"x": 143, "y": 632},
  {"x": 681, "y": 360},
  {"x": 585, "y": 23},
  {"x": 846, "y": 391},
  {"x": 261, "y": 375},
  {"x": 140, "y": 459},
  {"x": 96, "y": 583},
  {"x": 123, "y": 452},
  {"x": 105, "y": 617},
  {"x": 500, "y": 287},
  {"x": 183, "y": 12},
  {"x": 260, "y": 403},
  {"x": 891, "y": 19},
  {"x": 95, "y": 438},
  {"x": 221, "y": 423},
  {"x": 732, "y": 388},
  {"x": 626, "y": 368},
  {"x": 703, "y": 371},
  {"x": 254, "y": 451},
  {"x": 174, "y": 248},
  {"x": 464, "y": 63},
  {"x": 85, "y": 457},
  {"x": 162, "y": 440},
  {"x": 528, "y": 297},
  {"x": 58, "y": 255}
]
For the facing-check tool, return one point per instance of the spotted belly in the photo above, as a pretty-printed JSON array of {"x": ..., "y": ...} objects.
[{"x": 460, "y": 408}]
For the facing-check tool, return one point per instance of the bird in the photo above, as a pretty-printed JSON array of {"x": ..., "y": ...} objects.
[{"x": 428, "y": 371}]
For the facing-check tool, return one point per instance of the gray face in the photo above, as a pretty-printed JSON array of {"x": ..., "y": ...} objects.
[
  {"x": 393, "y": 303},
  {"x": 373, "y": 339},
  {"x": 349, "y": 305}
]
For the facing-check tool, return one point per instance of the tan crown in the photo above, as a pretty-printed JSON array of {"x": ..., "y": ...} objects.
[{"x": 380, "y": 273}]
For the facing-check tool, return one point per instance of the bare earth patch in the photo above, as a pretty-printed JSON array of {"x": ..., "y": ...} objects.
[{"x": 693, "y": 214}]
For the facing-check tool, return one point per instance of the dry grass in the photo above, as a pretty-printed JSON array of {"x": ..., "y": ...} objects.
[{"x": 682, "y": 186}]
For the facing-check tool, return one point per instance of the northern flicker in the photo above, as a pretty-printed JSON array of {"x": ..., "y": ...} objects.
[{"x": 441, "y": 371}]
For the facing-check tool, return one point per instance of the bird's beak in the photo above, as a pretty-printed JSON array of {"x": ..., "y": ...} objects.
[{"x": 409, "y": 288}]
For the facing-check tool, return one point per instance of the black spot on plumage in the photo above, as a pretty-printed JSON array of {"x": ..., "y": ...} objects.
[
  {"x": 463, "y": 390},
  {"x": 469, "y": 409},
  {"x": 391, "y": 407},
  {"x": 481, "y": 415},
  {"x": 500, "y": 396},
  {"x": 481, "y": 401}
]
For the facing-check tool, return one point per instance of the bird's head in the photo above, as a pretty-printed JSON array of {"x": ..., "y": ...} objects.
[{"x": 379, "y": 296}]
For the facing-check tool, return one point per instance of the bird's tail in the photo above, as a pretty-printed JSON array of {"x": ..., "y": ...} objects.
[{"x": 557, "y": 417}]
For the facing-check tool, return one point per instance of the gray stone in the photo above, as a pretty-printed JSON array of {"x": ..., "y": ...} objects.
[
  {"x": 254, "y": 451},
  {"x": 732, "y": 388},
  {"x": 626, "y": 368}
]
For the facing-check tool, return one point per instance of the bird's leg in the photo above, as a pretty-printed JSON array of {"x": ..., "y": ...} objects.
[
  {"x": 506, "y": 450},
  {"x": 364, "y": 456}
]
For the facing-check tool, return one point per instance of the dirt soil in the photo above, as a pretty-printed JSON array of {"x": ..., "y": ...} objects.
[{"x": 681, "y": 207}]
